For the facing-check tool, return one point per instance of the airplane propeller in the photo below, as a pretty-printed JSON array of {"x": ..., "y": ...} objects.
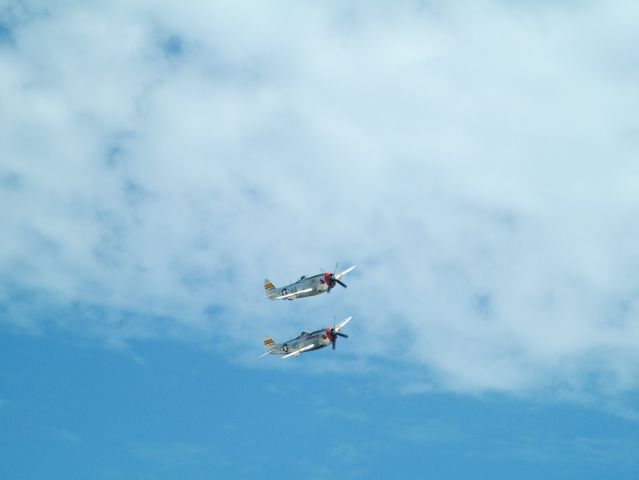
[
  {"x": 333, "y": 336},
  {"x": 332, "y": 281}
]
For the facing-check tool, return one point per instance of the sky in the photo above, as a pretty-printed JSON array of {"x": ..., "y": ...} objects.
[{"x": 477, "y": 161}]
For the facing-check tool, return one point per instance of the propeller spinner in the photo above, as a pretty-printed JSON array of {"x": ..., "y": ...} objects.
[
  {"x": 332, "y": 335},
  {"x": 331, "y": 281}
]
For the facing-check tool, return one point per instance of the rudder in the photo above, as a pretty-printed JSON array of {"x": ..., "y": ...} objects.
[
  {"x": 270, "y": 346},
  {"x": 269, "y": 343},
  {"x": 269, "y": 288}
]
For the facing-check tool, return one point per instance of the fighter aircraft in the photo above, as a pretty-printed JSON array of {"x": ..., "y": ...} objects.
[
  {"x": 305, "y": 286},
  {"x": 306, "y": 341}
]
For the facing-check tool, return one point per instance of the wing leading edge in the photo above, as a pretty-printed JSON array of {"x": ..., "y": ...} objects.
[
  {"x": 341, "y": 274},
  {"x": 299, "y": 351},
  {"x": 292, "y": 294},
  {"x": 342, "y": 324}
]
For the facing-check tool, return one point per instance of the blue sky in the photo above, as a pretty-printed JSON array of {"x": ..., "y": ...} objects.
[
  {"x": 74, "y": 410},
  {"x": 477, "y": 161}
]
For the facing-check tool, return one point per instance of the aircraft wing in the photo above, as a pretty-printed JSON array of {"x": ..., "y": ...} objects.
[
  {"x": 299, "y": 350},
  {"x": 341, "y": 324},
  {"x": 292, "y": 294},
  {"x": 341, "y": 274}
]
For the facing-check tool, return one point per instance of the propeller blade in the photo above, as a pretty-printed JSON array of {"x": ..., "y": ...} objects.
[
  {"x": 341, "y": 283},
  {"x": 333, "y": 344},
  {"x": 341, "y": 334}
]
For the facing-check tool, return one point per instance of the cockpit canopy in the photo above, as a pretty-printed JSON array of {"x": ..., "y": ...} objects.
[
  {"x": 304, "y": 333},
  {"x": 302, "y": 278}
]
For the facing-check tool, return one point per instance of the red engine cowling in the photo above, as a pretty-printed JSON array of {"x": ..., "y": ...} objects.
[
  {"x": 329, "y": 335},
  {"x": 329, "y": 280}
]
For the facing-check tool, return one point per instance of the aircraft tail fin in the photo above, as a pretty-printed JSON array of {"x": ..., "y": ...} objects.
[
  {"x": 269, "y": 288},
  {"x": 269, "y": 344}
]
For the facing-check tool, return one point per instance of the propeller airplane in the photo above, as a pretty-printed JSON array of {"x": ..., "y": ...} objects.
[
  {"x": 306, "y": 286},
  {"x": 306, "y": 341}
]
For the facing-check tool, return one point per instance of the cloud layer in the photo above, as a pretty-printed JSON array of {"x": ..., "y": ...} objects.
[{"x": 478, "y": 164}]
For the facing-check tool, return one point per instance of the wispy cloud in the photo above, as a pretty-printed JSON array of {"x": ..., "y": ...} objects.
[
  {"x": 342, "y": 414},
  {"x": 60, "y": 434},
  {"x": 478, "y": 164},
  {"x": 547, "y": 449},
  {"x": 427, "y": 431}
]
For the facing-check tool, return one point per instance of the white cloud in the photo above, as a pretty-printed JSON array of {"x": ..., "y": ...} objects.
[{"x": 478, "y": 164}]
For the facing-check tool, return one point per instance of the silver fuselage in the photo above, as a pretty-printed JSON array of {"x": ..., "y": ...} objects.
[
  {"x": 317, "y": 284},
  {"x": 318, "y": 338}
]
